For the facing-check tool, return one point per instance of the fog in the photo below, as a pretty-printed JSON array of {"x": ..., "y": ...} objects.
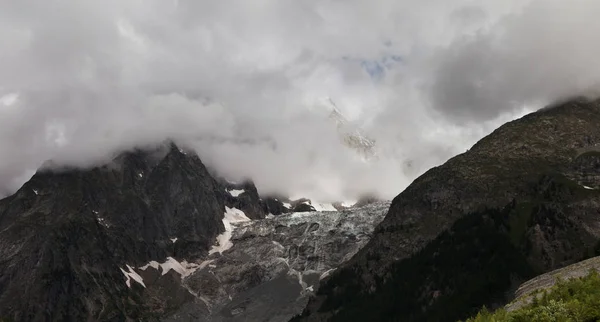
[{"x": 240, "y": 82}]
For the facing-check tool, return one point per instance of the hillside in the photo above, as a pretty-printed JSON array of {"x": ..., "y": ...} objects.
[
  {"x": 528, "y": 291},
  {"x": 154, "y": 236},
  {"x": 576, "y": 299},
  {"x": 520, "y": 202}
]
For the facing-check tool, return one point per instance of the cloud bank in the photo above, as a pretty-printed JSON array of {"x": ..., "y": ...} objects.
[{"x": 240, "y": 82}]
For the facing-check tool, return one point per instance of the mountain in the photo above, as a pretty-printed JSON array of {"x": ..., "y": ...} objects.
[
  {"x": 244, "y": 196},
  {"x": 522, "y": 201},
  {"x": 154, "y": 236},
  {"x": 67, "y": 237},
  {"x": 350, "y": 135}
]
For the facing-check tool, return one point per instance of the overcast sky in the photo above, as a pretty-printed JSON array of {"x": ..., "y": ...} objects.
[{"x": 240, "y": 81}]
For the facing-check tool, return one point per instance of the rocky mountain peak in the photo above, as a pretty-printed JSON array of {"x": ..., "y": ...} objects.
[{"x": 66, "y": 234}]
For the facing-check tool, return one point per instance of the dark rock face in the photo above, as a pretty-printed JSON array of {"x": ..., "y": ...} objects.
[
  {"x": 65, "y": 235},
  {"x": 274, "y": 206},
  {"x": 304, "y": 207},
  {"x": 245, "y": 198},
  {"x": 522, "y": 201}
]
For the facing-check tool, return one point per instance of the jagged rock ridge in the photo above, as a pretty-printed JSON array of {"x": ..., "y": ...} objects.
[
  {"x": 152, "y": 236},
  {"x": 65, "y": 236}
]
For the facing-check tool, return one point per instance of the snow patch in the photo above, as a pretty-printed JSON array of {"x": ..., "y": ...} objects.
[
  {"x": 324, "y": 207},
  {"x": 131, "y": 274},
  {"x": 231, "y": 217},
  {"x": 172, "y": 264},
  {"x": 182, "y": 268},
  {"x": 588, "y": 188},
  {"x": 35, "y": 191},
  {"x": 205, "y": 263},
  {"x": 141, "y": 175},
  {"x": 234, "y": 215},
  {"x": 326, "y": 273},
  {"x": 270, "y": 216},
  {"x": 287, "y": 205},
  {"x": 173, "y": 240},
  {"x": 236, "y": 192},
  {"x": 348, "y": 203},
  {"x": 153, "y": 264}
]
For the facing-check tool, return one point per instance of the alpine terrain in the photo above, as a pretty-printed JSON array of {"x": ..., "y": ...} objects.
[
  {"x": 154, "y": 236},
  {"x": 522, "y": 201}
]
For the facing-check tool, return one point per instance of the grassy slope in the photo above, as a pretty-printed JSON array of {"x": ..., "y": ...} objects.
[{"x": 573, "y": 300}]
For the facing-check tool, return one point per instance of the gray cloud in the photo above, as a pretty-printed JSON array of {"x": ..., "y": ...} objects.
[
  {"x": 534, "y": 56},
  {"x": 240, "y": 82}
]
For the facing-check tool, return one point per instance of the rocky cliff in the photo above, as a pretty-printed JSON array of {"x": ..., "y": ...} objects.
[
  {"x": 521, "y": 201},
  {"x": 67, "y": 237},
  {"x": 153, "y": 236}
]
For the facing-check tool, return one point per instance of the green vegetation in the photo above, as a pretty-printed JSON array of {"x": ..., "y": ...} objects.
[{"x": 572, "y": 300}]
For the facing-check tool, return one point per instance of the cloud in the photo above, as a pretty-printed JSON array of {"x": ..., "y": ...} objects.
[
  {"x": 540, "y": 54},
  {"x": 240, "y": 82}
]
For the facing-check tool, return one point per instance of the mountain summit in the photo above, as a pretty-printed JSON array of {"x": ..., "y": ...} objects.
[
  {"x": 67, "y": 237},
  {"x": 152, "y": 236}
]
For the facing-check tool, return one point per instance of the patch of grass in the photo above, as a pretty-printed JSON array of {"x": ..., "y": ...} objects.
[{"x": 572, "y": 300}]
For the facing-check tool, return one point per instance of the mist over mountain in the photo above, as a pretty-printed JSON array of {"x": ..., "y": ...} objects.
[
  {"x": 317, "y": 160},
  {"x": 236, "y": 81}
]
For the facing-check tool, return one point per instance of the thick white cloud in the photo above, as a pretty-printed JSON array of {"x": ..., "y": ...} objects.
[{"x": 240, "y": 80}]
